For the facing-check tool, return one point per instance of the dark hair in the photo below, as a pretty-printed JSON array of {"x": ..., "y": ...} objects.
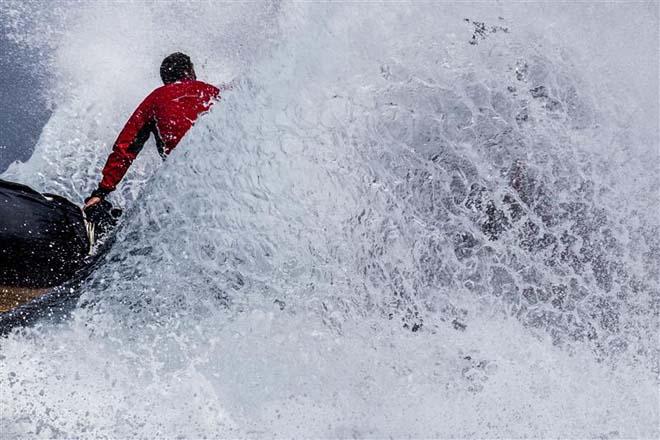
[{"x": 176, "y": 67}]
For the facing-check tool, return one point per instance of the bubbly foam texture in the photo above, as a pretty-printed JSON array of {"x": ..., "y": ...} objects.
[{"x": 398, "y": 222}]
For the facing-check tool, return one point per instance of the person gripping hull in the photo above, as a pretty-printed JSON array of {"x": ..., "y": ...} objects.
[{"x": 45, "y": 242}]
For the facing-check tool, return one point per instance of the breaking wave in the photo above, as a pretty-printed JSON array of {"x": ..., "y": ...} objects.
[{"x": 402, "y": 220}]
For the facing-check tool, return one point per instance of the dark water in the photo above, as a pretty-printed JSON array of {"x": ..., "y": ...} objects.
[{"x": 22, "y": 92}]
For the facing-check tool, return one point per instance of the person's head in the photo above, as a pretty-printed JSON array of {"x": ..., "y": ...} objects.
[{"x": 176, "y": 67}]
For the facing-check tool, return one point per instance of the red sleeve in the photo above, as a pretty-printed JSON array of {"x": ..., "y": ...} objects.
[{"x": 128, "y": 145}]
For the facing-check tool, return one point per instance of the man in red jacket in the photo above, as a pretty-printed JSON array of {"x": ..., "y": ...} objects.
[{"x": 168, "y": 112}]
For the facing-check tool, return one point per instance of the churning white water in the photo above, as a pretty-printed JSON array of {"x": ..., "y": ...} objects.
[{"x": 404, "y": 220}]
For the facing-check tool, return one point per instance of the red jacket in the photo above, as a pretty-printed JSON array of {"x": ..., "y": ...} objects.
[{"x": 168, "y": 112}]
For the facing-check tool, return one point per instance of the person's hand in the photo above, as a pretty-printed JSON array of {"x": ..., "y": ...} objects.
[{"x": 91, "y": 201}]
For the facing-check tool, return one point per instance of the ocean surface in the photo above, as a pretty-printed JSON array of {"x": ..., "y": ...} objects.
[{"x": 404, "y": 220}]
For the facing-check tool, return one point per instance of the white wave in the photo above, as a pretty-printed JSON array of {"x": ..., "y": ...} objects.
[{"x": 382, "y": 230}]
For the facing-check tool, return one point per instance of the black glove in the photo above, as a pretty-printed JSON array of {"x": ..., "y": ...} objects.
[
  {"x": 103, "y": 216},
  {"x": 98, "y": 192}
]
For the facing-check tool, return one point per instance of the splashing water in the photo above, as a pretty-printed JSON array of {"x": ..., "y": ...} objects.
[{"x": 411, "y": 220}]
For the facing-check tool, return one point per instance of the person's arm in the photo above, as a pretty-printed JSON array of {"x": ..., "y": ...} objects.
[{"x": 128, "y": 145}]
